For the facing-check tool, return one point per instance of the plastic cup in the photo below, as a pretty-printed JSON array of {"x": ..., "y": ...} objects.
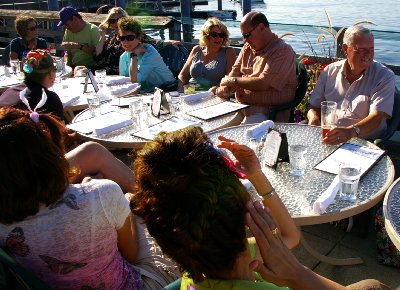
[
  {"x": 349, "y": 176},
  {"x": 175, "y": 106},
  {"x": 297, "y": 159},
  {"x": 94, "y": 105},
  {"x": 328, "y": 116},
  {"x": 100, "y": 75},
  {"x": 189, "y": 89}
]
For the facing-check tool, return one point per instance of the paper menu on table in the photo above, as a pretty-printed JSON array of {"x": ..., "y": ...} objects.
[
  {"x": 214, "y": 111},
  {"x": 169, "y": 125},
  {"x": 102, "y": 124},
  {"x": 349, "y": 153}
]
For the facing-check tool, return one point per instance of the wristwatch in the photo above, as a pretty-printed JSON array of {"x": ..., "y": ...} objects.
[
  {"x": 233, "y": 80},
  {"x": 357, "y": 129}
]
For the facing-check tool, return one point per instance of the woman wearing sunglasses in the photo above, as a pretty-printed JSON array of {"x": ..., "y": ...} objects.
[
  {"x": 210, "y": 61},
  {"x": 141, "y": 61},
  {"x": 109, "y": 48},
  {"x": 26, "y": 28},
  {"x": 39, "y": 75}
]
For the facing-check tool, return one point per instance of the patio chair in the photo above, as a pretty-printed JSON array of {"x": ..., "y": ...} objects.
[
  {"x": 393, "y": 124},
  {"x": 174, "y": 57},
  {"x": 176, "y": 285},
  {"x": 16, "y": 277},
  {"x": 302, "y": 79}
]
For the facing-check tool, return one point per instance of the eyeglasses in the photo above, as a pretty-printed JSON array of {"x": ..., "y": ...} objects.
[
  {"x": 362, "y": 49},
  {"x": 112, "y": 21},
  {"x": 216, "y": 34},
  {"x": 33, "y": 28},
  {"x": 248, "y": 34},
  {"x": 129, "y": 37}
]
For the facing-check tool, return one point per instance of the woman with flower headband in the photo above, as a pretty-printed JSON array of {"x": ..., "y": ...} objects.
[
  {"x": 39, "y": 75},
  {"x": 72, "y": 236},
  {"x": 211, "y": 60},
  {"x": 26, "y": 27},
  {"x": 193, "y": 203}
]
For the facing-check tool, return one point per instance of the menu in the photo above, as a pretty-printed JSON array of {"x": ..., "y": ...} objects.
[
  {"x": 217, "y": 110},
  {"x": 168, "y": 125},
  {"x": 350, "y": 153}
]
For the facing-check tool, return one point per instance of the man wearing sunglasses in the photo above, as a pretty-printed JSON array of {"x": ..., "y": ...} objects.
[
  {"x": 80, "y": 38},
  {"x": 264, "y": 73},
  {"x": 362, "y": 88}
]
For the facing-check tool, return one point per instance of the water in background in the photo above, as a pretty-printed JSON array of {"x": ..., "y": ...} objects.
[{"x": 300, "y": 17}]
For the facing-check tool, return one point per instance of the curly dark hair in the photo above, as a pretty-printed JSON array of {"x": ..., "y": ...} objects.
[
  {"x": 192, "y": 203},
  {"x": 33, "y": 167}
]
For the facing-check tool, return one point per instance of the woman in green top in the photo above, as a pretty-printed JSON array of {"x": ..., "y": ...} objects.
[{"x": 194, "y": 204}]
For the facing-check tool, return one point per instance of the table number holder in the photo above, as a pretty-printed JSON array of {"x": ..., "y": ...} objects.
[
  {"x": 160, "y": 105},
  {"x": 89, "y": 75},
  {"x": 275, "y": 148}
]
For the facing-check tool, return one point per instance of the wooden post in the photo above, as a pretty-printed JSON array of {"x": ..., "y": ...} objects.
[
  {"x": 120, "y": 3},
  {"x": 219, "y": 4},
  {"x": 52, "y": 5},
  {"x": 186, "y": 8},
  {"x": 246, "y": 6},
  {"x": 159, "y": 5},
  {"x": 175, "y": 31}
]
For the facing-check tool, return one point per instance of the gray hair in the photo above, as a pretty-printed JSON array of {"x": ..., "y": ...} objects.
[{"x": 353, "y": 31}]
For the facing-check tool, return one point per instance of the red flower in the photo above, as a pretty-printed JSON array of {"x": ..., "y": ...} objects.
[
  {"x": 306, "y": 61},
  {"x": 323, "y": 66},
  {"x": 231, "y": 166}
]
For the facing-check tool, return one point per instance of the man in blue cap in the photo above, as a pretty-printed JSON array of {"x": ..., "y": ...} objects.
[{"x": 80, "y": 38}]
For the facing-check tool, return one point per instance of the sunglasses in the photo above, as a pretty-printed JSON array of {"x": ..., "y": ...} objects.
[
  {"x": 216, "y": 34},
  {"x": 33, "y": 28},
  {"x": 248, "y": 34},
  {"x": 112, "y": 21},
  {"x": 129, "y": 37}
]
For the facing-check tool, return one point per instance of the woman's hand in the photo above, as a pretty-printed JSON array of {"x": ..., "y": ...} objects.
[
  {"x": 246, "y": 159},
  {"x": 278, "y": 264}
]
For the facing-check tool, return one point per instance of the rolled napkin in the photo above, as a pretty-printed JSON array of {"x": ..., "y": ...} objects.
[
  {"x": 196, "y": 97},
  {"x": 326, "y": 198},
  {"x": 258, "y": 131},
  {"x": 114, "y": 80}
]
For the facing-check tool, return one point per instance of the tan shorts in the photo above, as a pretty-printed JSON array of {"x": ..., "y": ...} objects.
[{"x": 156, "y": 269}]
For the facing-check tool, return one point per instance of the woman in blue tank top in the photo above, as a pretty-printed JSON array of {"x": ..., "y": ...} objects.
[{"x": 211, "y": 60}]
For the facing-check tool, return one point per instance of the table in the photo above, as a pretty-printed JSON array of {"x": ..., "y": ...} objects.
[
  {"x": 391, "y": 211},
  {"x": 122, "y": 138},
  {"x": 299, "y": 193}
]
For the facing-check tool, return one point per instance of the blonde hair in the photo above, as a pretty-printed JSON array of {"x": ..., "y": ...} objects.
[
  {"x": 206, "y": 29},
  {"x": 115, "y": 11}
]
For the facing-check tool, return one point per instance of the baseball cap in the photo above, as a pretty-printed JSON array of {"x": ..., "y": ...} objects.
[{"x": 66, "y": 14}]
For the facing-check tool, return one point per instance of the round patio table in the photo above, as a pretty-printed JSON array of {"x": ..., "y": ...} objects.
[
  {"x": 391, "y": 211},
  {"x": 123, "y": 138},
  {"x": 299, "y": 193}
]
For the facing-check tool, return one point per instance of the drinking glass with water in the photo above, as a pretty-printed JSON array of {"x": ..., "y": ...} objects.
[{"x": 349, "y": 176}]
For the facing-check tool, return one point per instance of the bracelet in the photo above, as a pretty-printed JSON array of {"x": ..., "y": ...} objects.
[{"x": 268, "y": 195}]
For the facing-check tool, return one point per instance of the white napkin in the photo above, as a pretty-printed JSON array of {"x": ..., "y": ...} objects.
[
  {"x": 196, "y": 97},
  {"x": 113, "y": 80},
  {"x": 113, "y": 125},
  {"x": 66, "y": 101},
  {"x": 326, "y": 198},
  {"x": 257, "y": 131}
]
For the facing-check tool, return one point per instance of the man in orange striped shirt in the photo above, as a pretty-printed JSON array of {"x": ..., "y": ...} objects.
[{"x": 264, "y": 73}]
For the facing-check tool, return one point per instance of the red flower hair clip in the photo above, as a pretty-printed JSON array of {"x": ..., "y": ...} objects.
[{"x": 231, "y": 166}]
